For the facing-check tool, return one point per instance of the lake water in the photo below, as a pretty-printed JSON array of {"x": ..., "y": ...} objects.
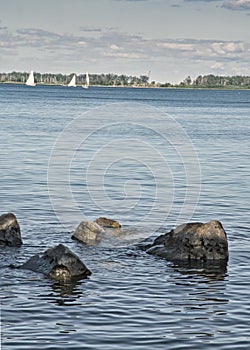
[{"x": 151, "y": 159}]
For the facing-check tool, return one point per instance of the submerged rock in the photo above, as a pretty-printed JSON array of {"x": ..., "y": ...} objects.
[
  {"x": 88, "y": 232},
  {"x": 200, "y": 242},
  {"x": 104, "y": 222},
  {"x": 58, "y": 263},
  {"x": 10, "y": 233}
]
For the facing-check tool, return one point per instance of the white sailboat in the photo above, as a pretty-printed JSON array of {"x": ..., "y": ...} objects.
[
  {"x": 31, "y": 81},
  {"x": 72, "y": 82},
  {"x": 87, "y": 81}
]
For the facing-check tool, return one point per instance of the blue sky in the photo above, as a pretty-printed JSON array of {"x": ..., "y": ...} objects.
[{"x": 170, "y": 38}]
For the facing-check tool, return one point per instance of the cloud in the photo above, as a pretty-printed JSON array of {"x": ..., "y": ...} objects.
[
  {"x": 205, "y": 48},
  {"x": 123, "y": 45},
  {"x": 202, "y": 0},
  {"x": 116, "y": 51},
  {"x": 225, "y": 48},
  {"x": 114, "y": 47},
  {"x": 132, "y": 0},
  {"x": 124, "y": 55},
  {"x": 217, "y": 66},
  {"x": 240, "y": 5},
  {"x": 179, "y": 46},
  {"x": 90, "y": 29},
  {"x": 35, "y": 33},
  {"x": 39, "y": 38},
  {"x": 83, "y": 43}
]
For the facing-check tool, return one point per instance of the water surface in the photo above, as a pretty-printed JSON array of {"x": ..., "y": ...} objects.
[{"x": 143, "y": 178}]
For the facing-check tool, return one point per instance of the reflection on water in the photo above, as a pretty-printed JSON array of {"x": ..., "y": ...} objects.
[
  {"x": 65, "y": 294},
  {"x": 211, "y": 271}
]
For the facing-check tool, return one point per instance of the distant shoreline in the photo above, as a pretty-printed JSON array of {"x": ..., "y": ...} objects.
[
  {"x": 209, "y": 81},
  {"x": 175, "y": 87}
]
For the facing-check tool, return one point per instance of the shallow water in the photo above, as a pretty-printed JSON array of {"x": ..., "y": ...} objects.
[{"x": 150, "y": 158}]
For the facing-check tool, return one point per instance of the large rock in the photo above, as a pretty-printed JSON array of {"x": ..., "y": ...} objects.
[
  {"x": 10, "y": 234},
  {"x": 104, "y": 222},
  {"x": 200, "y": 242},
  {"x": 88, "y": 232},
  {"x": 58, "y": 263}
]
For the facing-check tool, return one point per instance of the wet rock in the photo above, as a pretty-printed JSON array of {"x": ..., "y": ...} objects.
[
  {"x": 200, "y": 242},
  {"x": 104, "y": 222},
  {"x": 58, "y": 263},
  {"x": 88, "y": 232},
  {"x": 10, "y": 233}
]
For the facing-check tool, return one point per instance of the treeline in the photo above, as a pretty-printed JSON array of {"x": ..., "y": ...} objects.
[
  {"x": 62, "y": 79},
  {"x": 202, "y": 81},
  {"x": 217, "y": 81}
]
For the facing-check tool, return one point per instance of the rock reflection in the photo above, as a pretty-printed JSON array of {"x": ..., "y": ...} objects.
[
  {"x": 66, "y": 293},
  {"x": 214, "y": 271},
  {"x": 203, "y": 291}
]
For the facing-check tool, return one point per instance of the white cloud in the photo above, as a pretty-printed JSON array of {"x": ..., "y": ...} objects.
[
  {"x": 224, "y": 48},
  {"x": 205, "y": 49},
  {"x": 114, "y": 47},
  {"x": 83, "y": 43},
  {"x": 176, "y": 46},
  {"x": 217, "y": 66},
  {"x": 125, "y": 55}
]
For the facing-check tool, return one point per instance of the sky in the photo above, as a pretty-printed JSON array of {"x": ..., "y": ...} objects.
[{"x": 167, "y": 39}]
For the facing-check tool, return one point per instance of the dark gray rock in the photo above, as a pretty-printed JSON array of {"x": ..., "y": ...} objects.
[
  {"x": 88, "y": 233},
  {"x": 58, "y": 263},
  {"x": 200, "y": 242},
  {"x": 10, "y": 233}
]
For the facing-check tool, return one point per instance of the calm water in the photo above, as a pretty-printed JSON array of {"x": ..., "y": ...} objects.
[{"x": 150, "y": 158}]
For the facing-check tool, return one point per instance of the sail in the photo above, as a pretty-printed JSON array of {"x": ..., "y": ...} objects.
[
  {"x": 72, "y": 82},
  {"x": 87, "y": 81},
  {"x": 31, "y": 81}
]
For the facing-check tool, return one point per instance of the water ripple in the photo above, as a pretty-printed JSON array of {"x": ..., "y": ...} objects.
[{"x": 132, "y": 300}]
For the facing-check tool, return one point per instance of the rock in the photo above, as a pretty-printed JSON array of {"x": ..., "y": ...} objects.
[
  {"x": 92, "y": 233},
  {"x": 104, "y": 222},
  {"x": 58, "y": 263},
  {"x": 10, "y": 234},
  {"x": 88, "y": 233},
  {"x": 200, "y": 242}
]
